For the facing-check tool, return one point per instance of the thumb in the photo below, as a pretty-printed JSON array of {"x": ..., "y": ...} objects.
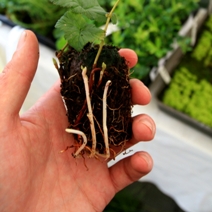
[
  {"x": 17, "y": 76},
  {"x": 130, "y": 169}
]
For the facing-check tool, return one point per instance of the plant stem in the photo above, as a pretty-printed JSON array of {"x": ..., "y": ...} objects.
[
  {"x": 105, "y": 30},
  {"x": 101, "y": 74}
]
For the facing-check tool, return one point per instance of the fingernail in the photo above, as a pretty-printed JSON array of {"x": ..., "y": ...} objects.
[
  {"x": 147, "y": 123},
  {"x": 21, "y": 39},
  {"x": 146, "y": 158}
]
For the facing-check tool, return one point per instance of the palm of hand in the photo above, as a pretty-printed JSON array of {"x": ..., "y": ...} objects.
[
  {"x": 34, "y": 175},
  {"x": 40, "y": 176}
]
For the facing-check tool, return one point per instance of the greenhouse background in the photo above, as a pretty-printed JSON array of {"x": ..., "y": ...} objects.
[{"x": 165, "y": 34}]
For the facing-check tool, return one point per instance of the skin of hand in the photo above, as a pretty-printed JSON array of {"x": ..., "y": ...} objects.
[{"x": 34, "y": 175}]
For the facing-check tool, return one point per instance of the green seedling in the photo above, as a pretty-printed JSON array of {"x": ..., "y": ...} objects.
[{"x": 94, "y": 81}]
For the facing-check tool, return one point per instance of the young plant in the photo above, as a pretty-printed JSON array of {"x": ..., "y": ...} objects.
[{"x": 94, "y": 81}]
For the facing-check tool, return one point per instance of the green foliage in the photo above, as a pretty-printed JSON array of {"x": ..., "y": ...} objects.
[
  {"x": 91, "y": 9},
  {"x": 208, "y": 24},
  {"x": 60, "y": 42},
  {"x": 38, "y": 15},
  {"x": 81, "y": 32},
  {"x": 107, "y": 4},
  {"x": 149, "y": 27},
  {"x": 200, "y": 106},
  {"x": 203, "y": 50},
  {"x": 190, "y": 96},
  {"x": 78, "y": 22},
  {"x": 190, "y": 90},
  {"x": 3, "y": 4}
]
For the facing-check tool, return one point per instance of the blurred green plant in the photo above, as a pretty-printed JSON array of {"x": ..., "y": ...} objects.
[
  {"x": 203, "y": 50},
  {"x": 147, "y": 26},
  {"x": 2, "y": 6},
  {"x": 190, "y": 90},
  {"x": 38, "y": 15},
  {"x": 150, "y": 27},
  {"x": 190, "y": 96}
]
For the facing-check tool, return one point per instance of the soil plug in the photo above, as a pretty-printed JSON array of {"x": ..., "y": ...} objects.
[{"x": 94, "y": 81}]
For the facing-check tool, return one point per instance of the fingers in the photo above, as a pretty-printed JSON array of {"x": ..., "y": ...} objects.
[
  {"x": 130, "y": 169},
  {"x": 140, "y": 93},
  {"x": 18, "y": 74},
  {"x": 130, "y": 56},
  {"x": 143, "y": 128}
]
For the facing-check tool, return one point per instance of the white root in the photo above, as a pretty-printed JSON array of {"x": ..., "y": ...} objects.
[
  {"x": 104, "y": 122},
  {"x": 91, "y": 119},
  {"x": 78, "y": 132},
  {"x": 90, "y": 112}
]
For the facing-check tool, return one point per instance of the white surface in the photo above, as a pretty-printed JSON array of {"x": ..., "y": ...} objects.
[
  {"x": 182, "y": 160},
  {"x": 3, "y": 34},
  {"x": 182, "y": 171},
  {"x": 12, "y": 43},
  {"x": 182, "y": 155}
]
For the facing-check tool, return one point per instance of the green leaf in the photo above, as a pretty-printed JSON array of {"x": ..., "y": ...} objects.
[
  {"x": 77, "y": 31},
  {"x": 89, "y": 8},
  {"x": 60, "y": 43},
  {"x": 114, "y": 18}
]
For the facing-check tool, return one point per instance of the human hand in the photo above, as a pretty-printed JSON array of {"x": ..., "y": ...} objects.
[{"x": 34, "y": 176}]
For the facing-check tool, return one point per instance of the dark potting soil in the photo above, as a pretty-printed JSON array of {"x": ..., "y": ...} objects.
[{"x": 119, "y": 105}]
